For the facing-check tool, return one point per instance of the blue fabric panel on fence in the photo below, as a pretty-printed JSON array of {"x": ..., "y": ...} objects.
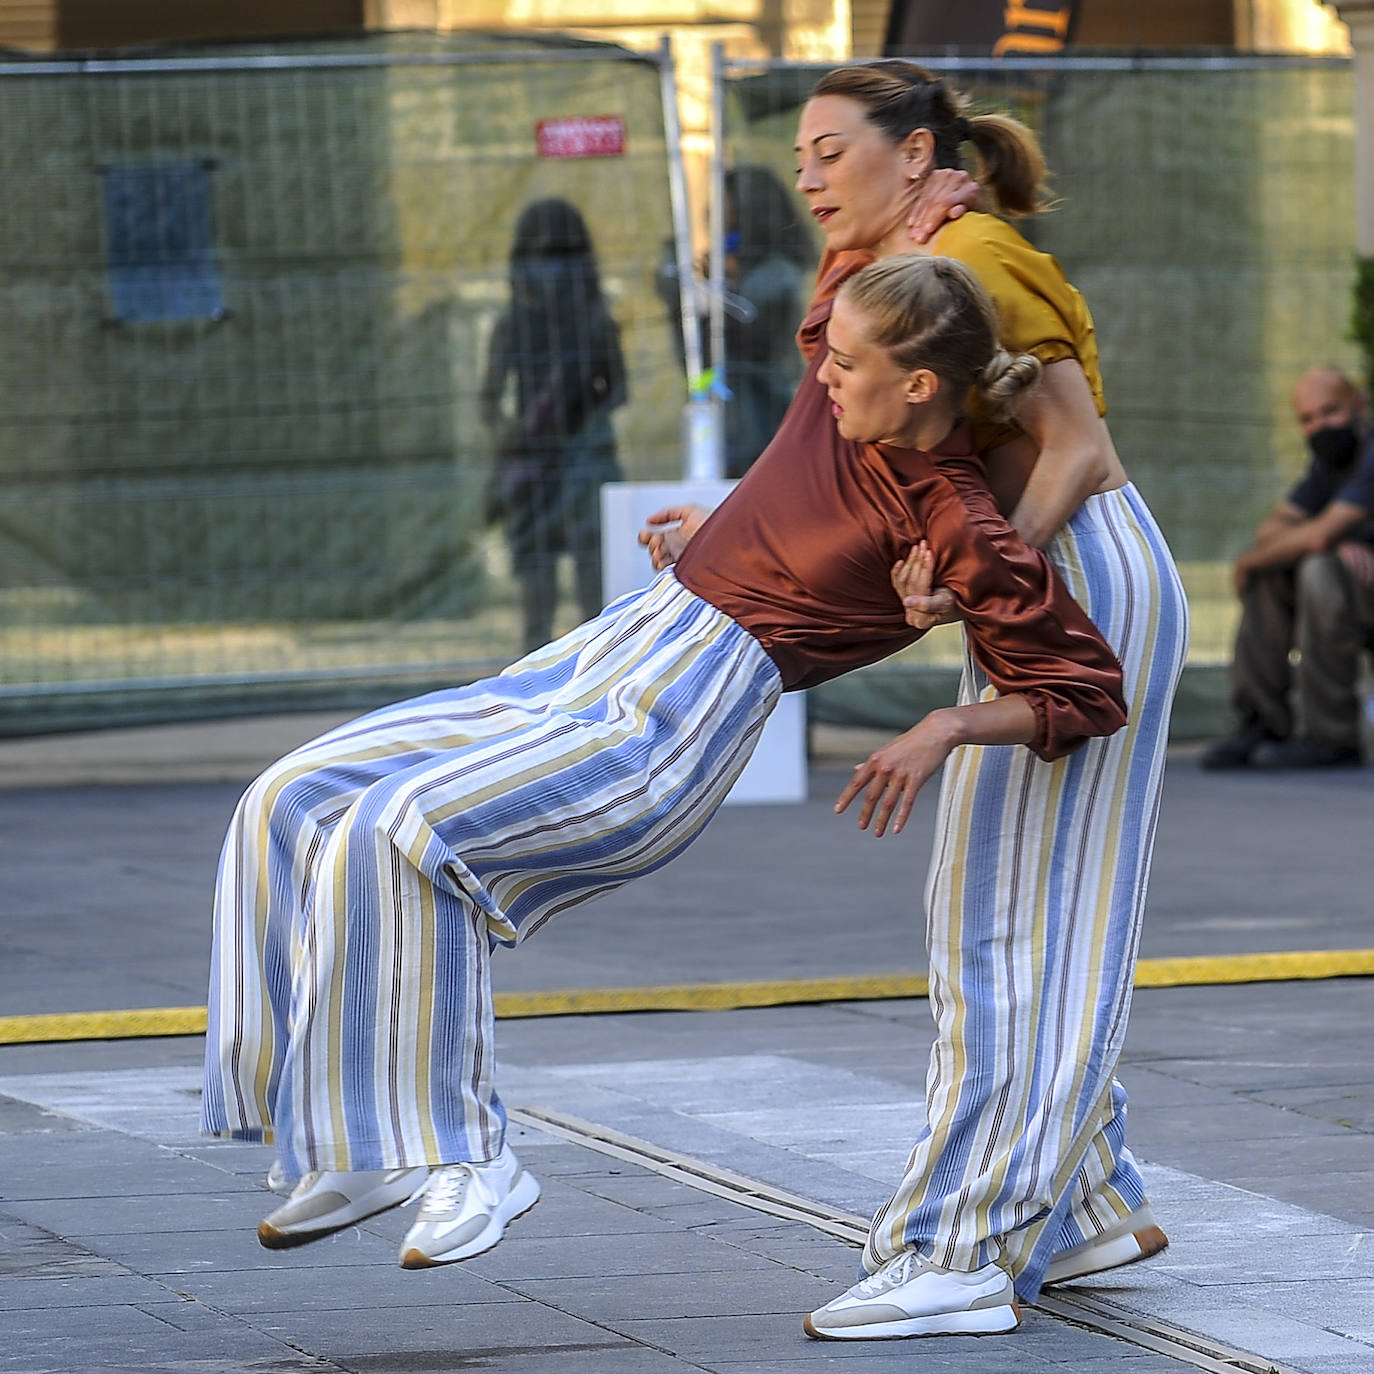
[{"x": 161, "y": 253}]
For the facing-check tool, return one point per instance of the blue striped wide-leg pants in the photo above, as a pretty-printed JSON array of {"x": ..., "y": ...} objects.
[
  {"x": 366, "y": 876},
  {"x": 1034, "y": 900}
]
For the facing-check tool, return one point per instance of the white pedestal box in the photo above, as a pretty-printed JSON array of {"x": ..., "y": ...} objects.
[{"x": 777, "y": 771}]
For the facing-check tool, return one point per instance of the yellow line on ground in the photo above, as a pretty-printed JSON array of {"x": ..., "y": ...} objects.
[
  {"x": 1150, "y": 973},
  {"x": 102, "y": 1025}
]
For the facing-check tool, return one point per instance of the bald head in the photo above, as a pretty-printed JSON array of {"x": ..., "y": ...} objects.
[{"x": 1324, "y": 398}]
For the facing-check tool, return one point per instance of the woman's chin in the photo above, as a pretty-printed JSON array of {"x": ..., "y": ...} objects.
[{"x": 841, "y": 239}]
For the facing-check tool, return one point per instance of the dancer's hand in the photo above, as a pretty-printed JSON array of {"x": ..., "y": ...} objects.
[
  {"x": 946, "y": 194},
  {"x": 923, "y": 605},
  {"x": 891, "y": 777},
  {"x": 668, "y": 531}
]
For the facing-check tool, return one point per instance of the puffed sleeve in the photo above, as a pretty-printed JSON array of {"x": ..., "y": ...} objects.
[
  {"x": 1025, "y": 630},
  {"x": 1038, "y": 310}
]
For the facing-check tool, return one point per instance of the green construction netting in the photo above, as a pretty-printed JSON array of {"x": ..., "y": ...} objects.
[
  {"x": 251, "y": 475},
  {"x": 244, "y": 306}
]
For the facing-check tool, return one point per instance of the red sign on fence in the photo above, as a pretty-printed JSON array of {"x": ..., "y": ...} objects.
[{"x": 581, "y": 136}]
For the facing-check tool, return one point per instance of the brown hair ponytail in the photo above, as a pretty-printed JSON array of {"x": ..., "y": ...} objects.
[{"x": 1010, "y": 163}]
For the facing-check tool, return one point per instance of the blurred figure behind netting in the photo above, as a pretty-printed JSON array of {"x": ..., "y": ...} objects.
[
  {"x": 557, "y": 343},
  {"x": 770, "y": 260},
  {"x": 769, "y": 263}
]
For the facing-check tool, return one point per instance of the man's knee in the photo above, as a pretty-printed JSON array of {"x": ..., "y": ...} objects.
[{"x": 1323, "y": 587}]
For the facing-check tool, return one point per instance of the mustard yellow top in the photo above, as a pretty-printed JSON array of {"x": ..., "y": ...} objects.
[{"x": 1039, "y": 311}]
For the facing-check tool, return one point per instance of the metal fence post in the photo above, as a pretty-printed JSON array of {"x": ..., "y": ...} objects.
[
  {"x": 716, "y": 229},
  {"x": 701, "y": 427}
]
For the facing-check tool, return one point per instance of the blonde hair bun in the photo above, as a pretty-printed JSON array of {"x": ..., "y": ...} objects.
[{"x": 1007, "y": 378}]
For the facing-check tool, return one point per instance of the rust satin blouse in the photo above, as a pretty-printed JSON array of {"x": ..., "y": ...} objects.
[{"x": 800, "y": 555}]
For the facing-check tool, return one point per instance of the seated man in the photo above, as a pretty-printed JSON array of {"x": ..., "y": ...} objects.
[{"x": 1307, "y": 582}]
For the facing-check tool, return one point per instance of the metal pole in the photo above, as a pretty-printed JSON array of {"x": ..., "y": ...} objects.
[
  {"x": 701, "y": 419},
  {"x": 276, "y": 62},
  {"x": 1054, "y": 66},
  {"x": 682, "y": 225},
  {"x": 716, "y": 229}
]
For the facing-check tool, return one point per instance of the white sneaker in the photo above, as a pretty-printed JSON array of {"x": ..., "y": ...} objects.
[
  {"x": 465, "y": 1208},
  {"x": 1134, "y": 1237},
  {"x": 909, "y": 1296},
  {"x": 277, "y": 1180},
  {"x": 327, "y": 1200}
]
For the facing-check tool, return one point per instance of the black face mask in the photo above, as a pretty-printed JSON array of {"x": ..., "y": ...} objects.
[{"x": 1337, "y": 446}]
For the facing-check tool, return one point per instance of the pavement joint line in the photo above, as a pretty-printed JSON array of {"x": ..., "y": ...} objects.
[
  {"x": 1200, "y": 971},
  {"x": 1096, "y": 1314}
]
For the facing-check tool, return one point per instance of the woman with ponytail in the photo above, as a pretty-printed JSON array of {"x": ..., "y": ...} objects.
[
  {"x": 1022, "y": 1163},
  {"x": 1037, "y": 882}
]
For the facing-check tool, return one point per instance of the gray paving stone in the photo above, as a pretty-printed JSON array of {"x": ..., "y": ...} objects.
[
  {"x": 1350, "y": 1105},
  {"x": 1233, "y": 1163},
  {"x": 829, "y": 1261},
  {"x": 601, "y": 1359},
  {"x": 1321, "y": 1301},
  {"x": 383, "y": 1288},
  {"x": 106, "y": 1322},
  {"x": 770, "y": 1290},
  {"x": 1244, "y": 1320},
  {"x": 18, "y": 1117},
  {"x": 27, "y": 1152},
  {"x": 1152, "y": 1087},
  {"x": 1127, "y": 1362},
  {"x": 642, "y": 1190},
  {"x": 825, "y": 1126},
  {"x": 115, "y": 1289},
  {"x": 1241, "y": 1072},
  {"x": 1348, "y": 1194},
  {"x": 1248, "y": 1124},
  {"x": 52, "y": 1178},
  {"x": 684, "y": 1254},
  {"x": 32, "y": 1251},
  {"x": 1060, "y": 1342},
  {"x": 200, "y": 1252},
  {"x": 161, "y": 1350},
  {"x": 1315, "y": 1260},
  {"x": 188, "y": 1314},
  {"x": 147, "y": 1212},
  {"x": 726, "y": 1340},
  {"x": 704, "y": 1215},
  {"x": 695, "y": 1084},
  {"x": 490, "y": 1333},
  {"x": 566, "y": 1211},
  {"x": 929, "y": 1356}
]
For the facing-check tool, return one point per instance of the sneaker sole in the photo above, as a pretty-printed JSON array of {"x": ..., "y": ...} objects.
[
  {"x": 1115, "y": 1254},
  {"x": 983, "y": 1321},
  {"x": 273, "y": 1239},
  {"x": 517, "y": 1202}
]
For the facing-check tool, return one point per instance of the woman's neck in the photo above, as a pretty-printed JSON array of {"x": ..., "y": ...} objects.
[
  {"x": 897, "y": 236},
  {"x": 927, "y": 428}
]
